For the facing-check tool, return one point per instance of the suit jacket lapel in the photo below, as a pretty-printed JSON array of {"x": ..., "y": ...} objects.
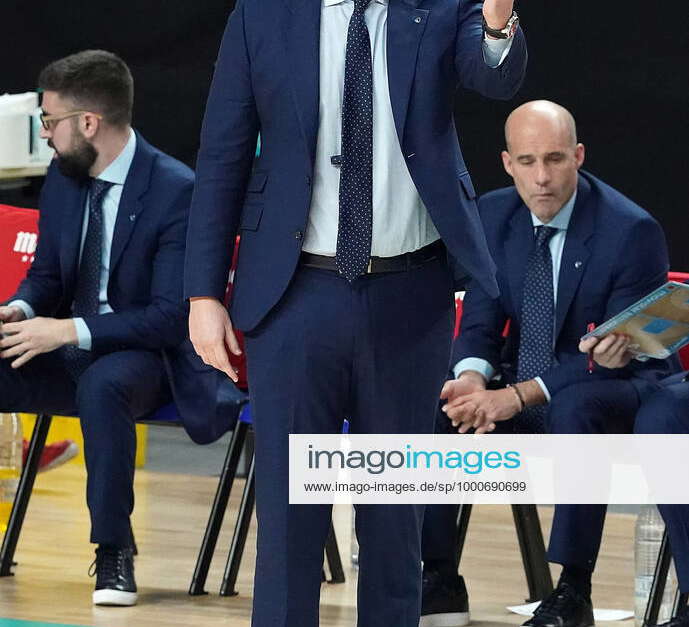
[
  {"x": 72, "y": 226},
  {"x": 517, "y": 249},
  {"x": 135, "y": 185},
  {"x": 575, "y": 253},
  {"x": 406, "y": 25},
  {"x": 302, "y": 25}
]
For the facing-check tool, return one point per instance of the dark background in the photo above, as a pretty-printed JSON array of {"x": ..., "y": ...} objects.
[{"x": 619, "y": 65}]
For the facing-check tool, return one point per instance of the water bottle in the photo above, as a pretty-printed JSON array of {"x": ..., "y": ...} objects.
[
  {"x": 353, "y": 544},
  {"x": 649, "y": 535},
  {"x": 10, "y": 464}
]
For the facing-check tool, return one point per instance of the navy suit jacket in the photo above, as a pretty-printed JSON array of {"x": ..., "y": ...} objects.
[
  {"x": 145, "y": 286},
  {"x": 615, "y": 253},
  {"x": 266, "y": 79}
]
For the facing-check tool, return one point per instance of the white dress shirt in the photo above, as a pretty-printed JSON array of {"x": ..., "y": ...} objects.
[
  {"x": 556, "y": 245},
  {"x": 401, "y": 222},
  {"x": 115, "y": 173}
]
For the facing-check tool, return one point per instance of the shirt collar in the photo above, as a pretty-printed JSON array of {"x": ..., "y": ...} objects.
[
  {"x": 117, "y": 171},
  {"x": 330, "y": 3},
  {"x": 562, "y": 218}
]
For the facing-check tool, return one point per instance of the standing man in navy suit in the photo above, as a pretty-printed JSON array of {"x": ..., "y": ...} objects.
[
  {"x": 570, "y": 251},
  {"x": 357, "y": 223},
  {"x": 84, "y": 333},
  {"x": 665, "y": 410}
]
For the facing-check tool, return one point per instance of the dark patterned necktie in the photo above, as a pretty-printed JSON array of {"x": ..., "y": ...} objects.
[
  {"x": 356, "y": 178},
  {"x": 537, "y": 325},
  {"x": 87, "y": 293}
]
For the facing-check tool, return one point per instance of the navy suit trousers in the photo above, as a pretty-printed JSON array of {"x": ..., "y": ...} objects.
[
  {"x": 376, "y": 352},
  {"x": 115, "y": 390},
  {"x": 591, "y": 407}
]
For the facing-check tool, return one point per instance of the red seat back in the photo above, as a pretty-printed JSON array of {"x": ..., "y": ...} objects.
[
  {"x": 238, "y": 362},
  {"x": 18, "y": 237},
  {"x": 681, "y": 277}
]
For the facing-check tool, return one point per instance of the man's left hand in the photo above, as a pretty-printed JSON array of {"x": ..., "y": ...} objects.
[
  {"x": 481, "y": 410},
  {"x": 610, "y": 352},
  {"x": 24, "y": 340},
  {"x": 497, "y": 12}
]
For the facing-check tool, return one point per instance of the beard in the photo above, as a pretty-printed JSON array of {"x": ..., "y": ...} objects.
[{"x": 76, "y": 163}]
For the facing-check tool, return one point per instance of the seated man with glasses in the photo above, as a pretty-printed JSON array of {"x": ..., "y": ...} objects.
[{"x": 86, "y": 330}]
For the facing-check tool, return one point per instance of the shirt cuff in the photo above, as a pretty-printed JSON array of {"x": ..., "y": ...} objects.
[
  {"x": 545, "y": 389},
  {"x": 25, "y": 307},
  {"x": 83, "y": 334},
  {"x": 496, "y": 50},
  {"x": 474, "y": 363}
]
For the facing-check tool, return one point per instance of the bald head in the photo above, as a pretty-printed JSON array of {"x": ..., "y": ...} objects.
[
  {"x": 543, "y": 156},
  {"x": 541, "y": 116}
]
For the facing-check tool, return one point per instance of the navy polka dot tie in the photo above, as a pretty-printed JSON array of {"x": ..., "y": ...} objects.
[
  {"x": 87, "y": 293},
  {"x": 537, "y": 325},
  {"x": 356, "y": 177},
  {"x": 86, "y": 297}
]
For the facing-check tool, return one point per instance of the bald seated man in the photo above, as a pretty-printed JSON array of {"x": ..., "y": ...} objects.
[{"x": 570, "y": 251}]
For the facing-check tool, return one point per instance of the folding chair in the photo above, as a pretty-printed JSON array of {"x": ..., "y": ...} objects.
[{"x": 241, "y": 440}]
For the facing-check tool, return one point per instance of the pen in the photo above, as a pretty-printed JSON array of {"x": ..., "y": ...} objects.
[{"x": 590, "y": 327}]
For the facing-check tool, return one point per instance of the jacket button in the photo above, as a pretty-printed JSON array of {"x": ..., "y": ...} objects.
[
  {"x": 308, "y": 181},
  {"x": 298, "y": 235}
]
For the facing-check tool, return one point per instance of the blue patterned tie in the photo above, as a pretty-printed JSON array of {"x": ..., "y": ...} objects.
[
  {"x": 87, "y": 293},
  {"x": 356, "y": 178},
  {"x": 537, "y": 325}
]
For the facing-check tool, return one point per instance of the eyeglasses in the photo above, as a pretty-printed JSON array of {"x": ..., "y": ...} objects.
[{"x": 50, "y": 121}]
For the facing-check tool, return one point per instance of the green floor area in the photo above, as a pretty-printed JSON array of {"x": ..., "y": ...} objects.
[{"x": 10, "y": 622}]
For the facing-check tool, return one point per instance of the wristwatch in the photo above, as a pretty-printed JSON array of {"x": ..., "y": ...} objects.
[{"x": 503, "y": 33}]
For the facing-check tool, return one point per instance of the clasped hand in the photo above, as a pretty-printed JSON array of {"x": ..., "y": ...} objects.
[{"x": 470, "y": 405}]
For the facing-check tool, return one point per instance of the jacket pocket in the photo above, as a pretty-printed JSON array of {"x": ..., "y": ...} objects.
[
  {"x": 257, "y": 182},
  {"x": 251, "y": 216}
]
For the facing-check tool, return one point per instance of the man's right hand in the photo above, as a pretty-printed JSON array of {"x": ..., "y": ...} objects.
[
  {"x": 210, "y": 331},
  {"x": 11, "y": 314},
  {"x": 468, "y": 382}
]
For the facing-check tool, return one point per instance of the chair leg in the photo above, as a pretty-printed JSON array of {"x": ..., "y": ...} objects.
[
  {"x": 332, "y": 553},
  {"x": 241, "y": 531},
  {"x": 21, "y": 499},
  {"x": 463, "y": 517},
  {"x": 222, "y": 496},
  {"x": 532, "y": 548},
  {"x": 655, "y": 597}
]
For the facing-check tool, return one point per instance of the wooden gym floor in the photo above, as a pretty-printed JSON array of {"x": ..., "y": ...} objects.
[{"x": 51, "y": 583}]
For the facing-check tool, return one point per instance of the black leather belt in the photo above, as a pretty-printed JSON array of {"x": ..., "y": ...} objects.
[{"x": 398, "y": 263}]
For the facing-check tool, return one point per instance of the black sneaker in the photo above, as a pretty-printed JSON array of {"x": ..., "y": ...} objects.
[
  {"x": 565, "y": 607},
  {"x": 114, "y": 570},
  {"x": 681, "y": 620},
  {"x": 444, "y": 601}
]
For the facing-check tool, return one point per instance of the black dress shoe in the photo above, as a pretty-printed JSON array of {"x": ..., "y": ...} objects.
[
  {"x": 565, "y": 607},
  {"x": 444, "y": 601},
  {"x": 681, "y": 620},
  {"x": 114, "y": 570}
]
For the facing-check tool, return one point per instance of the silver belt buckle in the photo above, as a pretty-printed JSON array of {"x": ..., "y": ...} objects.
[{"x": 368, "y": 267}]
